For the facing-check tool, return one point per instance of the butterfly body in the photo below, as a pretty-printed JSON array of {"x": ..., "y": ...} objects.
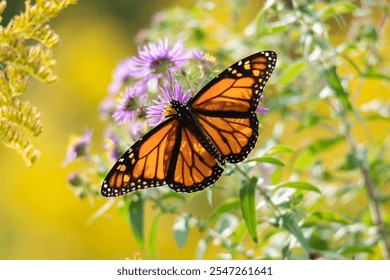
[{"x": 188, "y": 149}]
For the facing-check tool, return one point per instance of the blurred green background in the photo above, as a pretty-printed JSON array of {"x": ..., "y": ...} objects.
[{"x": 40, "y": 216}]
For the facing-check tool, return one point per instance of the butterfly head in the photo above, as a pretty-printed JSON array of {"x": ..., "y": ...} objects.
[{"x": 169, "y": 111}]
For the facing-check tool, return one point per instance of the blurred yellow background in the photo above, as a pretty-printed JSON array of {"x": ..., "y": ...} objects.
[{"x": 40, "y": 216}]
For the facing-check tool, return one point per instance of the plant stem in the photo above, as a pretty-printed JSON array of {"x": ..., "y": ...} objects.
[{"x": 375, "y": 211}]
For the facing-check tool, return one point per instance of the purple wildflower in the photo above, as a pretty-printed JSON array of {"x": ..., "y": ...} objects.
[
  {"x": 198, "y": 55},
  {"x": 78, "y": 148},
  {"x": 107, "y": 107},
  {"x": 262, "y": 110},
  {"x": 135, "y": 129},
  {"x": 156, "y": 113},
  {"x": 129, "y": 103},
  {"x": 112, "y": 145},
  {"x": 154, "y": 60},
  {"x": 203, "y": 57},
  {"x": 121, "y": 74}
]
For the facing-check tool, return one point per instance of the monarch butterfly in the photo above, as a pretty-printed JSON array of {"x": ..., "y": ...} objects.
[{"x": 187, "y": 150}]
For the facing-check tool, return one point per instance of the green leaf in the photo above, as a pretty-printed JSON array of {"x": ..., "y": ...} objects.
[
  {"x": 136, "y": 215},
  {"x": 267, "y": 159},
  {"x": 292, "y": 70},
  {"x": 261, "y": 16},
  {"x": 180, "y": 231},
  {"x": 355, "y": 159},
  {"x": 227, "y": 206},
  {"x": 278, "y": 150},
  {"x": 290, "y": 202},
  {"x": 327, "y": 216},
  {"x": 336, "y": 8},
  {"x": 239, "y": 233},
  {"x": 172, "y": 195},
  {"x": 356, "y": 249},
  {"x": 334, "y": 83},
  {"x": 290, "y": 223},
  {"x": 321, "y": 145},
  {"x": 304, "y": 160},
  {"x": 299, "y": 185},
  {"x": 153, "y": 236},
  {"x": 247, "y": 198}
]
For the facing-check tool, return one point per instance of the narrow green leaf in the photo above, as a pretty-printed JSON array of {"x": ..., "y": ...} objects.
[
  {"x": 227, "y": 206},
  {"x": 334, "y": 82},
  {"x": 239, "y": 233},
  {"x": 327, "y": 216},
  {"x": 293, "y": 70},
  {"x": 336, "y": 9},
  {"x": 299, "y": 185},
  {"x": 323, "y": 144},
  {"x": 267, "y": 159},
  {"x": 180, "y": 231},
  {"x": 172, "y": 195},
  {"x": 153, "y": 236},
  {"x": 286, "y": 250},
  {"x": 356, "y": 249},
  {"x": 304, "y": 160},
  {"x": 278, "y": 150},
  {"x": 236, "y": 239},
  {"x": 247, "y": 198},
  {"x": 290, "y": 223},
  {"x": 136, "y": 215}
]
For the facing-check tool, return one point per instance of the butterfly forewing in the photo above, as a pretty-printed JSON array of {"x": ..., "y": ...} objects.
[
  {"x": 225, "y": 107},
  {"x": 145, "y": 164}
]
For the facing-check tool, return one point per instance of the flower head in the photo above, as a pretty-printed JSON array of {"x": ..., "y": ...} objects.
[
  {"x": 203, "y": 57},
  {"x": 78, "y": 148},
  {"x": 131, "y": 99},
  {"x": 154, "y": 60},
  {"x": 156, "y": 113},
  {"x": 121, "y": 74},
  {"x": 262, "y": 110}
]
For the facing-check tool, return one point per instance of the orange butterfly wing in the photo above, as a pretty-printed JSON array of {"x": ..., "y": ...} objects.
[
  {"x": 168, "y": 154},
  {"x": 225, "y": 107},
  {"x": 195, "y": 167},
  {"x": 186, "y": 156},
  {"x": 145, "y": 164}
]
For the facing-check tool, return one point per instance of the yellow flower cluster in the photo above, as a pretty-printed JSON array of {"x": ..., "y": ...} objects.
[{"x": 26, "y": 44}]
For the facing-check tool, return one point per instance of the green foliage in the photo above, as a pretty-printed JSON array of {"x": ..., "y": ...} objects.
[
  {"x": 317, "y": 186},
  {"x": 25, "y": 50},
  {"x": 248, "y": 206}
]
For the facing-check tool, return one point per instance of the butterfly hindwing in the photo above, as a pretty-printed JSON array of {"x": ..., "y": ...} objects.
[
  {"x": 195, "y": 167},
  {"x": 233, "y": 137}
]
